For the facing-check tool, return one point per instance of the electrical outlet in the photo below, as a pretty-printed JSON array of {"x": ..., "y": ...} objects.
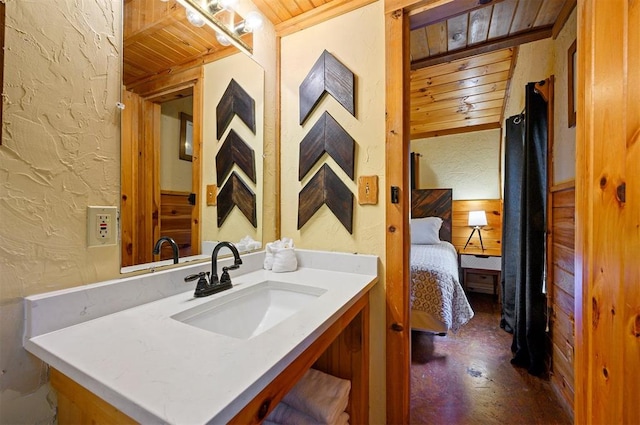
[{"x": 102, "y": 226}]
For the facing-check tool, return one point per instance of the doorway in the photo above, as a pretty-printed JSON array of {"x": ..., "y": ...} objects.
[{"x": 151, "y": 208}]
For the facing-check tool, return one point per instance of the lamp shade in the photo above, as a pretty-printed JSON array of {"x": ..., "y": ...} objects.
[{"x": 477, "y": 218}]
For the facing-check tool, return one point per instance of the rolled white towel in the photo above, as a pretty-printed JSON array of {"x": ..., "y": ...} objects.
[
  {"x": 268, "y": 255},
  {"x": 284, "y": 414},
  {"x": 319, "y": 395},
  {"x": 284, "y": 260}
]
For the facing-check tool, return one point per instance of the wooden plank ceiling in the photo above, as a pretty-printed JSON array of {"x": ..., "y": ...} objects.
[
  {"x": 159, "y": 40},
  {"x": 462, "y": 51},
  {"x": 462, "y": 57},
  {"x": 463, "y": 95}
]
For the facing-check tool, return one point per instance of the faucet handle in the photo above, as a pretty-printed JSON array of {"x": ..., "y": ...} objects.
[
  {"x": 225, "y": 273},
  {"x": 193, "y": 277}
]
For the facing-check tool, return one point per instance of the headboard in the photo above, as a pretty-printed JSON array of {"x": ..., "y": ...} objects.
[{"x": 434, "y": 203}]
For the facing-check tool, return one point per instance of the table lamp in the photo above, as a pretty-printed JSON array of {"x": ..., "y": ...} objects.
[{"x": 477, "y": 220}]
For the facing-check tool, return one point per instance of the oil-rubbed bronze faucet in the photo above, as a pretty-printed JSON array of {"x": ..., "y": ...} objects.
[
  {"x": 174, "y": 247},
  {"x": 208, "y": 283}
]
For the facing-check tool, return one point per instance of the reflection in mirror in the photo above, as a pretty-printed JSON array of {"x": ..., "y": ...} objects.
[{"x": 163, "y": 193}]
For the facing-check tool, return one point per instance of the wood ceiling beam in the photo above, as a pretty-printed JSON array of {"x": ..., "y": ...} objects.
[
  {"x": 458, "y": 130},
  {"x": 503, "y": 43},
  {"x": 563, "y": 16},
  {"x": 422, "y": 17}
]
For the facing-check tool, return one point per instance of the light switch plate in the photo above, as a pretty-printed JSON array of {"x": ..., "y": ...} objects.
[
  {"x": 212, "y": 194},
  {"x": 368, "y": 190},
  {"x": 102, "y": 226}
]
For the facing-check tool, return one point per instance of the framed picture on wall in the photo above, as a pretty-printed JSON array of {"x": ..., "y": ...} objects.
[
  {"x": 571, "y": 84},
  {"x": 186, "y": 137}
]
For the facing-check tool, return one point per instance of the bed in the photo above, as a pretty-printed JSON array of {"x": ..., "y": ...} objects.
[{"x": 438, "y": 302}]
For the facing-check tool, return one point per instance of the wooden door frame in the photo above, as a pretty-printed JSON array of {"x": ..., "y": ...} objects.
[
  {"x": 149, "y": 209},
  {"x": 607, "y": 364}
]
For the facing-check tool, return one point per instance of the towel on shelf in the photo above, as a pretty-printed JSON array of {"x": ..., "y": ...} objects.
[
  {"x": 280, "y": 256},
  {"x": 320, "y": 395},
  {"x": 283, "y": 414}
]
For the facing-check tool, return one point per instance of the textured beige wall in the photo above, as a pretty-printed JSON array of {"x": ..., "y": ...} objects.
[
  {"x": 60, "y": 153},
  {"x": 357, "y": 40},
  {"x": 468, "y": 163},
  {"x": 175, "y": 173},
  {"x": 250, "y": 76},
  {"x": 564, "y": 152}
]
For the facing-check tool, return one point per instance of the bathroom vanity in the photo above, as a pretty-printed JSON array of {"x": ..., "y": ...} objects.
[{"x": 145, "y": 350}]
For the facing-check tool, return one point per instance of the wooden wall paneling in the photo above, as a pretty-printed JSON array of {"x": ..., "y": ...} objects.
[
  {"x": 327, "y": 135},
  {"x": 437, "y": 38},
  {"x": 326, "y": 188},
  {"x": 457, "y": 32},
  {"x": 234, "y": 150},
  {"x": 608, "y": 213},
  {"x": 175, "y": 222},
  {"x": 491, "y": 233},
  {"x": 561, "y": 290},
  {"x": 479, "y": 22},
  {"x": 397, "y": 216},
  {"x": 502, "y": 18},
  {"x": 235, "y": 101}
]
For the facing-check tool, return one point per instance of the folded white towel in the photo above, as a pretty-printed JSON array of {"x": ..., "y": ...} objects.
[
  {"x": 284, "y": 260},
  {"x": 280, "y": 256},
  {"x": 284, "y": 414},
  {"x": 319, "y": 395}
]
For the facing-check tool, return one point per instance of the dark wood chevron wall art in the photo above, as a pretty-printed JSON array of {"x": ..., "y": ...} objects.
[
  {"x": 328, "y": 136},
  {"x": 234, "y": 150},
  {"x": 236, "y": 193},
  {"x": 326, "y": 188},
  {"x": 327, "y": 75},
  {"x": 235, "y": 101}
]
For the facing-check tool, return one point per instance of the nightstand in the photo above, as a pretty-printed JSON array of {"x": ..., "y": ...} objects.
[{"x": 481, "y": 273}]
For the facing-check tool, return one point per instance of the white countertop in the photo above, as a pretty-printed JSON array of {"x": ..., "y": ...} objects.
[{"x": 159, "y": 370}]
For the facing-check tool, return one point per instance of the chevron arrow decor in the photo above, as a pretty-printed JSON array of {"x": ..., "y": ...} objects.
[
  {"x": 236, "y": 193},
  {"x": 326, "y": 188},
  {"x": 234, "y": 150},
  {"x": 328, "y": 75},
  {"x": 328, "y": 136},
  {"x": 235, "y": 101}
]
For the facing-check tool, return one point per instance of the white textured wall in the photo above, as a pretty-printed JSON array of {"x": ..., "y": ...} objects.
[
  {"x": 175, "y": 173},
  {"x": 250, "y": 76},
  {"x": 60, "y": 153},
  {"x": 468, "y": 163},
  {"x": 357, "y": 40},
  {"x": 564, "y": 152}
]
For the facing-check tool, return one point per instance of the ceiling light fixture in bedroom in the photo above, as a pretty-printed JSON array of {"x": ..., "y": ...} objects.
[{"x": 477, "y": 220}]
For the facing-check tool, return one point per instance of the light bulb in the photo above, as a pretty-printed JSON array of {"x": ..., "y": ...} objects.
[
  {"x": 252, "y": 21},
  {"x": 195, "y": 18},
  {"x": 222, "y": 39}
]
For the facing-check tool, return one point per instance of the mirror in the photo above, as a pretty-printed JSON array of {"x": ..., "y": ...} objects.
[{"x": 161, "y": 184}]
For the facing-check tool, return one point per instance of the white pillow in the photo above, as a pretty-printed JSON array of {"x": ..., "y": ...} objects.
[{"x": 425, "y": 231}]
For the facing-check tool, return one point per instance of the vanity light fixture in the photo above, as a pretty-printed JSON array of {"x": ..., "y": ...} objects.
[
  {"x": 200, "y": 12},
  {"x": 477, "y": 220}
]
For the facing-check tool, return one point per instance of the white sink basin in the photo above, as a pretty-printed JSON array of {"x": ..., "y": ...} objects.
[{"x": 249, "y": 312}]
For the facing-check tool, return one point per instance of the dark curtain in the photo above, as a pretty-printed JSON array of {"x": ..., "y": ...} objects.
[{"x": 523, "y": 233}]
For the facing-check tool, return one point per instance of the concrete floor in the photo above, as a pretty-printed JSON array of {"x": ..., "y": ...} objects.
[{"x": 466, "y": 378}]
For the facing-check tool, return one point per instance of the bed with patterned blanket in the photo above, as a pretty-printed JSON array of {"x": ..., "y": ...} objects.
[{"x": 438, "y": 302}]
